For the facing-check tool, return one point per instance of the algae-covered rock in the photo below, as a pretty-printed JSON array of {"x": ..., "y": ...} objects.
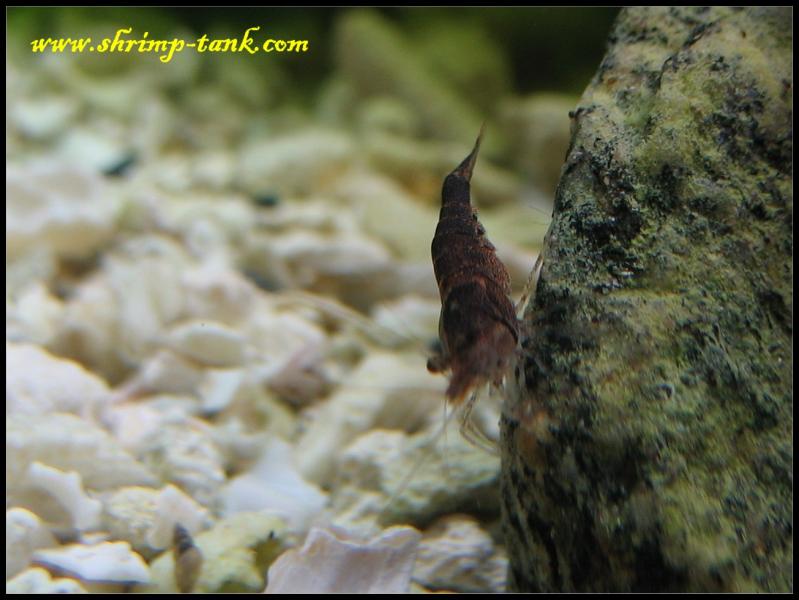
[{"x": 649, "y": 446}]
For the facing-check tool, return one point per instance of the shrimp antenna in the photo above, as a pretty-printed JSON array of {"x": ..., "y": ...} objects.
[{"x": 421, "y": 461}]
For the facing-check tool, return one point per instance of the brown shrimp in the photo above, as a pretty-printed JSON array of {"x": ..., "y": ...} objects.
[{"x": 478, "y": 328}]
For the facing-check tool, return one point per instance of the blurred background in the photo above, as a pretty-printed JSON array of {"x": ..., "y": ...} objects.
[
  {"x": 396, "y": 93},
  {"x": 235, "y": 251},
  {"x": 360, "y": 129},
  {"x": 536, "y": 49}
]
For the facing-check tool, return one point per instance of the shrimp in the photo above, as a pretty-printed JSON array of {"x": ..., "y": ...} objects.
[{"x": 478, "y": 328}]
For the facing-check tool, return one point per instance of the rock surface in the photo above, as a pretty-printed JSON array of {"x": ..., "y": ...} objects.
[
  {"x": 63, "y": 210},
  {"x": 333, "y": 564},
  {"x": 457, "y": 555},
  {"x": 649, "y": 447},
  {"x": 38, "y": 383},
  {"x": 102, "y": 563},
  {"x": 25, "y": 533},
  {"x": 38, "y": 581},
  {"x": 236, "y": 553}
]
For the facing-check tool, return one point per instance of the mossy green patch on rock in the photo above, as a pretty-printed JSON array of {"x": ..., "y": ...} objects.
[{"x": 650, "y": 446}]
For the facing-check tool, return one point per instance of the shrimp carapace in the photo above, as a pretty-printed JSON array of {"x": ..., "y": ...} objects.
[{"x": 478, "y": 327}]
